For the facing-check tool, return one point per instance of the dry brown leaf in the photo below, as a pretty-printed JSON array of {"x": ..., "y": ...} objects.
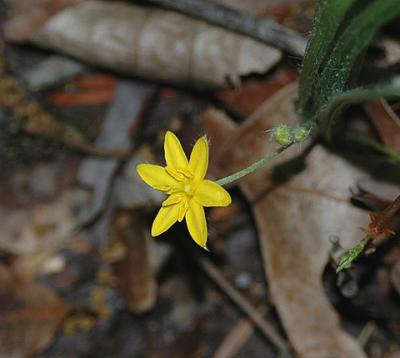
[
  {"x": 135, "y": 277},
  {"x": 280, "y": 10},
  {"x": 295, "y": 220},
  {"x": 254, "y": 92},
  {"x": 21, "y": 26},
  {"x": 36, "y": 233},
  {"x": 152, "y": 43},
  {"x": 386, "y": 122},
  {"x": 30, "y": 315},
  {"x": 382, "y": 192}
]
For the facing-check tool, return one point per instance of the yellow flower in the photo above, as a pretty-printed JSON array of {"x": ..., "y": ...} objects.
[{"x": 188, "y": 191}]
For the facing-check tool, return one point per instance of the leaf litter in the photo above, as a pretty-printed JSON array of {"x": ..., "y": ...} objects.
[
  {"x": 295, "y": 220},
  {"x": 298, "y": 207}
]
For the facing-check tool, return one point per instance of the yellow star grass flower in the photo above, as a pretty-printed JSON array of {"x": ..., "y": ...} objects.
[{"x": 188, "y": 191}]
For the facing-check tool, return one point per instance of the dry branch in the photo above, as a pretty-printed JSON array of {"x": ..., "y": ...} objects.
[
  {"x": 267, "y": 329},
  {"x": 256, "y": 27}
]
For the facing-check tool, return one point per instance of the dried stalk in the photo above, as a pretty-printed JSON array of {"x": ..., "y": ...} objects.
[
  {"x": 258, "y": 28},
  {"x": 267, "y": 329}
]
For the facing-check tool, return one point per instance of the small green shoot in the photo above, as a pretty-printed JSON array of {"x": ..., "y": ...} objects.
[{"x": 347, "y": 259}]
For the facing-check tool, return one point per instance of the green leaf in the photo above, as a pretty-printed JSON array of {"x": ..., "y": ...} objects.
[
  {"x": 328, "y": 17},
  {"x": 378, "y": 146},
  {"x": 347, "y": 259},
  {"x": 351, "y": 44},
  {"x": 332, "y": 111}
]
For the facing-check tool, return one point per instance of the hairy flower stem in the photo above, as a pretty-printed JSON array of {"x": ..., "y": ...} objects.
[{"x": 250, "y": 169}]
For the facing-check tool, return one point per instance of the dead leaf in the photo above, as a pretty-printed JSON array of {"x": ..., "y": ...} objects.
[
  {"x": 295, "y": 220},
  {"x": 252, "y": 93},
  {"x": 34, "y": 235},
  {"x": 30, "y": 315},
  {"x": 282, "y": 11},
  {"x": 83, "y": 98},
  {"x": 383, "y": 191},
  {"x": 20, "y": 26},
  {"x": 153, "y": 43},
  {"x": 33, "y": 119},
  {"x": 86, "y": 91},
  {"x": 95, "y": 82},
  {"x": 135, "y": 277},
  {"x": 386, "y": 122}
]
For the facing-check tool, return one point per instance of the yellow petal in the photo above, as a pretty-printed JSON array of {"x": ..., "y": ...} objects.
[
  {"x": 198, "y": 163},
  {"x": 173, "y": 199},
  {"x": 179, "y": 174},
  {"x": 209, "y": 193},
  {"x": 166, "y": 217},
  {"x": 175, "y": 157},
  {"x": 184, "y": 205},
  {"x": 196, "y": 223},
  {"x": 156, "y": 176}
]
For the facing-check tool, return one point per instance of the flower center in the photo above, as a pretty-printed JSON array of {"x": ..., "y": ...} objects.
[{"x": 188, "y": 188}]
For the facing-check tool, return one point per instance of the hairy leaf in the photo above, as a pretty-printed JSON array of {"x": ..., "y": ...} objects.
[
  {"x": 331, "y": 112},
  {"x": 350, "y": 46},
  {"x": 329, "y": 15}
]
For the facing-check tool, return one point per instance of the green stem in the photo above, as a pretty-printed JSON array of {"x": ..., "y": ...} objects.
[
  {"x": 257, "y": 165},
  {"x": 376, "y": 145}
]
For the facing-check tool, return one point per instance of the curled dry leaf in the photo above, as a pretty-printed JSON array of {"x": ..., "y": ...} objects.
[
  {"x": 21, "y": 25},
  {"x": 295, "y": 219},
  {"x": 148, "y": 42}
]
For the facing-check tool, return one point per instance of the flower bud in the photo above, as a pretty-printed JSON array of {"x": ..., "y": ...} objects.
[
  {"x": 283, "y": 135},
  {"x": 300, "y": 133}
]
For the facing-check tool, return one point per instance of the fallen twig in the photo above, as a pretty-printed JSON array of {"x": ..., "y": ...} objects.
[
  {"x": 256, "y": 317},
  {"x": 366, "y": 333},
  {"x": 236, "y": 338},
  {"x": 256, "y": 27}
]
